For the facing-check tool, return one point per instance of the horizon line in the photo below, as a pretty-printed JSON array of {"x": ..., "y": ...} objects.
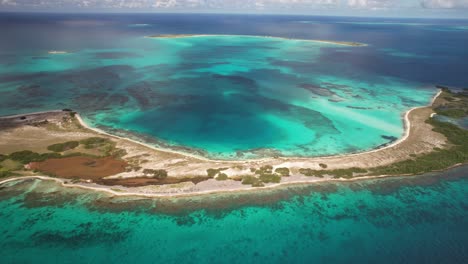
[{"x": 105, "y": 12}]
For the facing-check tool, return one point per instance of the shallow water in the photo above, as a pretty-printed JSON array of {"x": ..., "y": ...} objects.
[
  {"x": 419, "y": 219},
  {"x": 231, "y": 96}
]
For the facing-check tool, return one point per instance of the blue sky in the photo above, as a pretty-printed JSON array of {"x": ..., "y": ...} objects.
[{"x": 392, "y": 8}]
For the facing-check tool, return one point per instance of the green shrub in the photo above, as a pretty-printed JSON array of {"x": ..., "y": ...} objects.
[
  {"x": 7, "y": 173},
  {"x": 213, "y": 172},
  {"x": 222, "y": 177},
  {"x": 283, "y": 171},
  {"x": 454, "y": 113},
  {"x": 249, "y": 180},
  {"x": 339, "y": 173},
  {"x": 346, "y": 173},
  {"x": 157, "y": 174},
  {"x": 310, "y": 172},
  {"x": 264, "y": 169},
  {"x": 94, "y": 142},
  {"x": 457, "y": 106},
  {"x": 63, "y": 146},
  {"x": 270, "y": 178},
  {"x": 119, "y": 153},
  {"x": 258, "y": 184},
  {"x": 323, "y": 166},
  {"x": 27, "y": 156}
]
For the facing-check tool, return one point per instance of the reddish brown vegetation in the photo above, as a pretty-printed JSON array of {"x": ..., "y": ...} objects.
[{"x": 81, "y": 167}]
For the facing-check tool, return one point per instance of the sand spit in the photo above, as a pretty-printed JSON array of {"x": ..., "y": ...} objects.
[{"x": 175, "y": 36}]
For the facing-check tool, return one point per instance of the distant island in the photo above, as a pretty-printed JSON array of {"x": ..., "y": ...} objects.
[
  {"x": 345, "y": 43},
  {"x": 57, "y": 52}
]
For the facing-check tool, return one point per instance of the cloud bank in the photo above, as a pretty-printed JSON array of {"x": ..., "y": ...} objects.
[
  {"x": 241, "y": 4},
  {"x": 287, "y": 6},
  {"x": 447, "y": 4}
]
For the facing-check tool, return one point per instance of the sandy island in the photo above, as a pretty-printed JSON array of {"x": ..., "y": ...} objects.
[
  {"x": 186, "y": 174},
  {"x": 58, "y": 52},
  {"x": 344, "y": 43}
]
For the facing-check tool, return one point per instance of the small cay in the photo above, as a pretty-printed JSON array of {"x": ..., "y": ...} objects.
[{"x": 345, "y": 43}]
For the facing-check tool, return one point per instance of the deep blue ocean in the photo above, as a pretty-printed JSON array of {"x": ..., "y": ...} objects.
[{"x": 120, "y": 80}]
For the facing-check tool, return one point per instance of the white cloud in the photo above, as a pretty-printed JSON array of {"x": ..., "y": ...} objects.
[
  {"x": 300, "y": 5},
  {"x": 444, "y": 4},
  {"x": 371, "y": 4},
  {"x": 8, "y": 3},
  {"x": 236, "y": 4}
]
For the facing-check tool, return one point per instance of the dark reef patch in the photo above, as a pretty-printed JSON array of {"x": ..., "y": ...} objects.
[
  {"x": 317, "y": 89},
  {"x": 391, "y": 138},
  {"x": 115, "y": 55},
  {"x": 82, "y": 234},
  {"x": 35, "y": 199},
  {"x": 358, "y": 107},
  {"x": 34, "y": 90},
  {"x": 98, "y": 101},
  {"x": 149, "y": 95},
  {"x": 5, "y": 78},
  {"x": 40, "y": 58},
  {"x": 236, "y": 79}
]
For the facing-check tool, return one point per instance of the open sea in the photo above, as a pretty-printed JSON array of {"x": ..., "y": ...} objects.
[{"x": 233, "y": 93}]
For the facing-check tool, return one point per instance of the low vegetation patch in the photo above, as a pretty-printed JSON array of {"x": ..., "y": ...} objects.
[
  {"x": 221, "y": 177},
  {"x": 339, "y": 173},
  {"x": 457, "y": 106},
  {"x": 264, "y": 169},
  {"x": 439, "y": 159},
  {"x": 61, "y": 147},
  {"x": 7, "y": 173},
  {"x": 454, "y": 113},
  {"x": 252, "y": 180},
  {"x": 104, "y": 145},
  {"x": 118, "y": 153},
  {"x": 11, "y": 165},
  {"x": 323, "y": 166},
  {"x": 94, "y": 142},
  {"x": 283, "y": 171},
  {"x": 157, "y": 174},
  {"x": 270, "y": 178},
  {"x": 264, "y": 175},
  {"x": 213, "y": 172},
  {"x": 27, "y": 156}
]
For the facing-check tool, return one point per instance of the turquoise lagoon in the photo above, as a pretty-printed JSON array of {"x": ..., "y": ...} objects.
[{"x": 223, "y": 96}]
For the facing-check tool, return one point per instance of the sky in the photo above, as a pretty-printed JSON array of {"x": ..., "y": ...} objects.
[{"x": 390, "y": 8}]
